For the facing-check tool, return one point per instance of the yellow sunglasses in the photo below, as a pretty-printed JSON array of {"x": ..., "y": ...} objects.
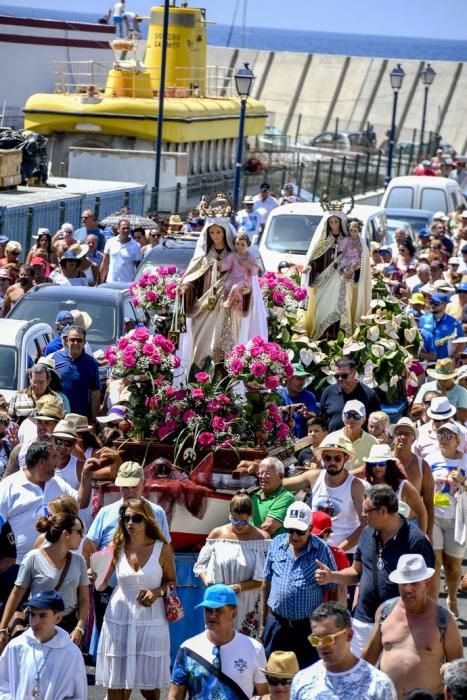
[{"x": 326, "y": 640}]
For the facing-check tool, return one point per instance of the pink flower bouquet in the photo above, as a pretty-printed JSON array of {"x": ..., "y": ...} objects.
[
  {"x": 281, "y": 292},
  {"x": 140, "y": 353},
  {"x": 259, "y": 363},
  {"x": 156, "y": 289}
]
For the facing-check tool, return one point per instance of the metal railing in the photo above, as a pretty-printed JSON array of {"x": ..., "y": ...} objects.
[{"x": 75, "y": 77}]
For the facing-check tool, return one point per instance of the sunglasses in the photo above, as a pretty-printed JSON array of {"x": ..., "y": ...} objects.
[
  {"x": 343, "y": 375},
  {"x": 278, "y": 681},
  {"x": 382, "y": 464},
  {"x": 353, "y": 414},
  {"x": 333, "y": 458},
  {"x": 326, "y": 640},
  {"x": 65, "y": 443},
  {"x": 293, "y": 531},
  {"x": 234, "y": 521},
  {"x": 137, "y": 518},
  {"x": 446, "y": 435}
]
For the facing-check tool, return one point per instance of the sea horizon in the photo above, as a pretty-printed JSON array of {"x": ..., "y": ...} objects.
[{"x": 294, "y": 40}]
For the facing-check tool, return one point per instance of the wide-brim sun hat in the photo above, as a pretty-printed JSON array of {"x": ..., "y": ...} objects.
[
  {"x": 444, "y": 369},
  {"x": 411, "y": 568},
  {"x": 281, "y": 664},
  {"x": 380, "y": 453},
  {"x": 404, "y": 423},
  {"x": 339, "y": 444},
  {"x": 440, "y": 408},
  {"x": 49, "y": 362},
  {"x": 64, "y": 430}
]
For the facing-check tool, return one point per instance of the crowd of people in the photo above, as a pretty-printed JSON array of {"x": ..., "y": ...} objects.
[{"x": 324, "y": 580}]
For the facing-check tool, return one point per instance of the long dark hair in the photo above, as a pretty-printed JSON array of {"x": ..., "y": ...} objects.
[{"x": 393, "y": 476}]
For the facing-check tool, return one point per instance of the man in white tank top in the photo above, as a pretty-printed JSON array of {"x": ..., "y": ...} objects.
[{"x": 339, "y": 493}]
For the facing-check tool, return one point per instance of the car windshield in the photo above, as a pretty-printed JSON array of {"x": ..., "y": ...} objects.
[
  {"x": 291, "y": 233},
  {"x": 103, "y": 330},
  {"x": 8, "y": 367},
  {"x": 417, "y": 222},
  {"x": 178, "y": 255},
  {"x": 400, "y": 198}
]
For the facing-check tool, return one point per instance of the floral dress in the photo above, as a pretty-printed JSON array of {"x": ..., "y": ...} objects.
[{"x": 233, "y": 561}]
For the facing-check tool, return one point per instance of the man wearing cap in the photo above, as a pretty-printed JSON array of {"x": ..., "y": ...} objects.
[
  {"x": 413, "y": 635},
  {"x": 3, "y": 241},
  {"x": 248, "y": 219},
  {"x": 68, "y": 273},
  {"x": 423, "y": 269},
  {"x": 38, "y": 265},
  {"x": 444, "y": 375},
  {"x": 219, "y": 662},
  {"x": 418, "y": 472},
  {"x": 289, "y": 592},
  {"x": 271, "y": 500},
  {"x": 43, "y": 662},
  {"x": 19, "y": 289},
  {"x": 301, "y": 402},
  {"x": 23, "y": 403},
  {"x": 339, "y": 675},
  {"x": 64, "y": 318},
  {"x": 264, "y": 203},
  {"x": 5, "y": 282},
  {"x": 130, "y": 481},
  {"x": 443, "y": 327},
  {"x": 79, "y": 374},
  {"x": 354, "y": 417},
  {"x": 122, "y": 255},
  {"x": 387, "y": 536},
  {"x": 347, "y": 388}
]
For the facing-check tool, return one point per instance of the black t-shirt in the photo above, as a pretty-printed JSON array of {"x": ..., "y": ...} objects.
[
  {"x": 334, "y": 399},
  {"x": 375, "y": 586},
  {"x": 305, "y": 455}
]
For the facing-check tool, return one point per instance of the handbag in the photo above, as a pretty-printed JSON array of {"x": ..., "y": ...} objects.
[{"x": 173, "y": 606}]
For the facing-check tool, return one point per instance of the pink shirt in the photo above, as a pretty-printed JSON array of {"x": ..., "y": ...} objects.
[{"x": 240, "y": 270}]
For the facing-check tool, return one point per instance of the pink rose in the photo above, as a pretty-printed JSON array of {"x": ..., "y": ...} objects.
[
  {"x": 205, "y": 439},
  {"x": 272, "y": 383},
  {"x": 171, "y": 269},
  {"x": 256, "y": 352},
  {"x": 300, "y": 294},
  {"x": 170, "y": 392},
  {"x": 122, "y": 343},
  {"x": 278, "y": 298},
  {"x": 288, "y": 371},
  {"x": 164, "y": 431},
  {"x": 129, "y": 361},
  {"x": 141, "y": 334},
  {"x": 151, "y": 296},
  {"x": 175, "y": 361},
  {"x": 271, "y": 283},
  {"x": 188, "y": 415},
  {"x": 268, "y": 425},
  {"x": 219, "y": 423},
  {"x": 213, "y": 406},
  {"x": 283, "y": 431},
  {"x": 180, "y": 394},
  {"x": 136, "y": 301},
  {"x": 202, "y": 377},
  {"x": 197, "y": 394},
  {"x": 171, "y": 290},
  {"x": 236, "y": 367},
  {"x": 162, "y": 270},
  {"x": 224, "y": 399},
  {"x": 287, "y": 283},
  {"x": 258, "y": 369},
  {"x": 147, "y": 349}
]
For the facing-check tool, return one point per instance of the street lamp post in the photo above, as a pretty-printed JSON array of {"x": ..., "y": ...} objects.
[
  {"x": 427, "y": 75},
  {"x": 160, "y": 114},
  {"x": 396, "y": 77},
  {"x": 243, "y": 82}
]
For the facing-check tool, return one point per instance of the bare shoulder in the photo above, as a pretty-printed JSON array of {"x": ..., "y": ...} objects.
[{"x": 217, "y": 533}]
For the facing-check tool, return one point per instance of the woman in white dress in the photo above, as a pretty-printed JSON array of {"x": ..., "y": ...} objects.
[
  {"x": 234, "y": 554},
  {"x": 134, "y": 645}
]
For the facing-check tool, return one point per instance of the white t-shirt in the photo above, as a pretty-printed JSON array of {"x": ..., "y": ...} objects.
[
  {"x": 444, "y": 495},
  {"x": 122, "y": 259},
  {"x": 241, "y": 660},
  {"x": 119, "y": 9},
  {"x": 362, "y": 682},
  {"x": 22, "y": 503},
  {"x": 263, "y": 207}
]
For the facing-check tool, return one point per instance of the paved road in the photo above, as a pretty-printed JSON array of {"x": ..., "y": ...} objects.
[{"x": 99, "y": 694}]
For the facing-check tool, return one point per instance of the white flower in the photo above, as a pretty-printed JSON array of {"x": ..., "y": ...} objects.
[
  {"x": 373, "y": 333},
  {"x": 394, "y": 381},
  {"x": 384, "y": 386},
  {"x": 378, "y": 350},
  {"x": 410, "y": 334},
  {"x": 388, "y": 344},
  {"x": 377, "y": 302},
  {"x": 352, "y": 347},
  {"x": 413, "y": 380}
]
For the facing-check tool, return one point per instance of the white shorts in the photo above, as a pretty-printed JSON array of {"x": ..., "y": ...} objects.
[
  {"x": 361, "y": 636},
  {"x": 443, "y": 538}
]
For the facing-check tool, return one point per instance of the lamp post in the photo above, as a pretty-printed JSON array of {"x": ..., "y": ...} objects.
[
  {"x": 160, "y": 114},
  {"x": 427, "y": 75},
  {"x": 243, "y": 82},
  {"x": 396, "y": 77}
]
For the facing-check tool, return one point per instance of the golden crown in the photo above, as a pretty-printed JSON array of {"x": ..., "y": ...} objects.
[
  {"x": 335, "y": 204},
  {"x": 216, "y": 204}
]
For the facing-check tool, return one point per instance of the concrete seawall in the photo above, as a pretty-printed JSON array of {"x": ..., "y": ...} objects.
[{"x": 353, "y": 89}]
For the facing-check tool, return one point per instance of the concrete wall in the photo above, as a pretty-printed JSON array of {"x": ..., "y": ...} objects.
[
  {"x": 353, "y": 89},
  {"x": 133, "y": 166}
]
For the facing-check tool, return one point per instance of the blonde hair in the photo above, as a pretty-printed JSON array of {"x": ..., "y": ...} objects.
[
  {"x": 380, "y": 416},
  {"x": 63, "y": 504}
]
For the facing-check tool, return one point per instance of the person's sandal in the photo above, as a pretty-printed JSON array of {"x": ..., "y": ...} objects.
[{"x": 452, "y": 607}]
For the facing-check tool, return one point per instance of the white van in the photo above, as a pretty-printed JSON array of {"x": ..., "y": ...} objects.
[
  {"x": 423, "y": 192},
  {"x": 290, "y": 228}
]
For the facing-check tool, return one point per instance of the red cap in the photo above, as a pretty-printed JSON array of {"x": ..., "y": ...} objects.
[
  {"x": 37, "y": 261},
  {"x": 321, "y": 523}
]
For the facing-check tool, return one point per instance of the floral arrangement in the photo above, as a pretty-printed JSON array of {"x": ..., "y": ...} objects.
[
  {"x": 259, "y": 364},
  {"x": 281, "y": 292},
  {"x": 156, "y": 290},
  {"x": 140, "y": 353}
]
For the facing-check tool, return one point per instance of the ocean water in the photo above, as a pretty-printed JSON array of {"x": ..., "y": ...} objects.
[{"x": 298, "y": 40}]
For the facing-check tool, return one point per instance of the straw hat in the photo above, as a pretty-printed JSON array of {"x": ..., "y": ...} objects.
[
  {"x": 380, "y": 453},
  {"x": 340, "y": 444},
  {"x": 65, "y": 430},
  {"x": 444, "y": 369},
  {"x": 48, "y": 407},
  {"x": 281, "y": 664},
  {"x": 81, "y": 318},
  {"x": 49, "y": 362},
  {"x": 407, "y": 423},
  {"x": 79, "y": 423}
]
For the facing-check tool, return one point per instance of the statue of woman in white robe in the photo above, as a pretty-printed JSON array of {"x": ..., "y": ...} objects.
[{"x": 335, "y": 301}]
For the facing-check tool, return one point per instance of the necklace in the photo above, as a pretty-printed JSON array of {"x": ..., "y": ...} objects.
[
  {"x": 379, "y": 558},
  {"x": 36, "y": 691}
]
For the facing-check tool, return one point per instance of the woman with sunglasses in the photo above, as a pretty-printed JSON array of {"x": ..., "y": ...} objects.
[
  {"x": 449, "y": 468},
  {"x": 234, "y": 554},
  {"x": 134, "y": 645},
  {"x": 55, "y": 565},
  {"x": 280, "y": 671},
  {"x": 381, "y": 467}
]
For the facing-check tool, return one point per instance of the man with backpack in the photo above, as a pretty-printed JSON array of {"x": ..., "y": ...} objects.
[{"x": 413, "y": 635}]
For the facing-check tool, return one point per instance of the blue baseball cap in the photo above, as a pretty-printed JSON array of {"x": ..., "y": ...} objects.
[
  {"x": 424, "y": 233},
  {"x": 384, "y": 251},
  {"x": 461, "y": 287},
  {"x": 217, "y": 596},
  {"x": 64, "y": 317},
  {"x": 47, "y": 600},
  {"x": 4, "y": 240},
  {"x": 440, "y": 298}
]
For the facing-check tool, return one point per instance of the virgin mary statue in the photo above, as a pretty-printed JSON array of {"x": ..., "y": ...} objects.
[
  {"x": 212, "y": 329},
  {"x": 336, "y": 300}
]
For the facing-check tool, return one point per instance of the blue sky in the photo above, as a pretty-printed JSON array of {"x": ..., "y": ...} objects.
[{"x": 420, "y": 18}]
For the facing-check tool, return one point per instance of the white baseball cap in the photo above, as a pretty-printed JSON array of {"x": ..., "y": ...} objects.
[
  {"x": 355, "y": 406},
  {"x": 298, "y": 517}
]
